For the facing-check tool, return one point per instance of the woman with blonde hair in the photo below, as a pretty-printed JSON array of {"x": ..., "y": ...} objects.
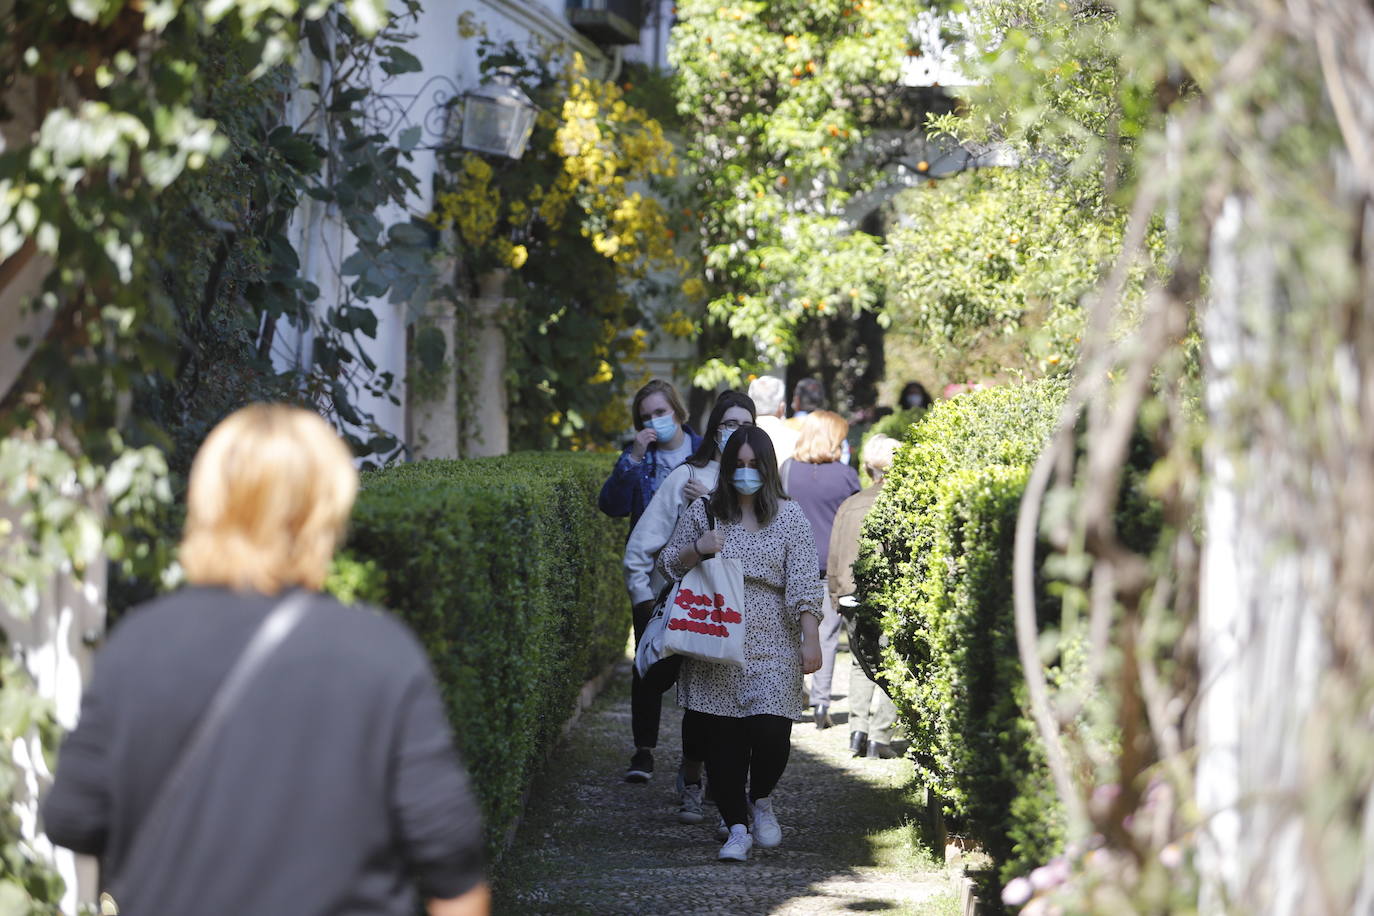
[
  {"x": 248, "y": 745},
  {"x": 819, "y": 481}
]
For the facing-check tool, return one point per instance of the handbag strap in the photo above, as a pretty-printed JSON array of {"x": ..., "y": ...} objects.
[
  {"x": 710, "y": 520},
  {"x": 268, "y": 637}
]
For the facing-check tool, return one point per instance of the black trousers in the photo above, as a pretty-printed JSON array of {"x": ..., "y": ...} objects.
[
  {"x": 749, "y": 751},
  {"x": 646, "y": 700}
]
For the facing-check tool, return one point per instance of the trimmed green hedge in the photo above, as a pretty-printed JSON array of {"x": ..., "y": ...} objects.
[
  {"x": 936, "y": 564},
  {"x": 511, "y": 577}
]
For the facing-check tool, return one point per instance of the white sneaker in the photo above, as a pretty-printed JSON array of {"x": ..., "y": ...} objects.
[
  {"x": 736, "y": 848},
  {"x": 765, "y": 823},
  {"x": 722, "y": 831}
]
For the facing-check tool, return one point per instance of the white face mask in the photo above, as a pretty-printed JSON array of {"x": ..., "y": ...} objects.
[
  {"x": 722, "y": 437},
  {"x": 665, "y": 428},
  {"x": 747, "y": 480}
]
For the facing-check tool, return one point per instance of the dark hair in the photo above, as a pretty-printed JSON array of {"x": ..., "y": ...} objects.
[
  {"x": 708, "y": 451},
  {"x": 725, "y": 501},
  {"x": 917, "y": 392},
  {"x": 808, "y": 395},
  {"x": 657, "y": 386}
]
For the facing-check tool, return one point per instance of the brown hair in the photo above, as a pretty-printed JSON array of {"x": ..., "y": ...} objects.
[
  {"x": 708, "y": 451},
  {"x": 821, "y": 439},
  {"x": 652, "y": 387},
  {"x": 270, "y": 493},
  {"x": 725, "y": 501}
]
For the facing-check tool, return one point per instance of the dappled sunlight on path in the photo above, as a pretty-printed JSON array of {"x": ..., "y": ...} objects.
[{"x": 591, "y": 843}]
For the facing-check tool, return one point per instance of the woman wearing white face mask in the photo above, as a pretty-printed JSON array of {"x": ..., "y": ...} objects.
[
  {"x": 746, "y": 714},
  {"x": 693, "y": 478}
]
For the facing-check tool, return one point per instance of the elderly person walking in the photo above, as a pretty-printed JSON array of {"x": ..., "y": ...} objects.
[
  {"x": 819, "y": 481},
  {"x": 871, "y": 712},
  {"x": 249, "y": 745},
  {"x": 769, "y": 396}
]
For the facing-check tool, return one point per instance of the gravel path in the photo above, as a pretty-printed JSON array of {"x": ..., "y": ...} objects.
[{"x": 594, "y": 844}]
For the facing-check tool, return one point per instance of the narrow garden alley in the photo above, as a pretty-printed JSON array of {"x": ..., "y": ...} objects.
[{"x": 592, "y": 844}]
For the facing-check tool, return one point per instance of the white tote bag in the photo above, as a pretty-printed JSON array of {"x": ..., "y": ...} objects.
[{"x": 705, "y": 614}]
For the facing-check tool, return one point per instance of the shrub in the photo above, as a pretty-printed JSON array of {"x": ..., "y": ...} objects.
[
  {"x": 511, "y": 578},
  {"x": 935, "y": 563}
]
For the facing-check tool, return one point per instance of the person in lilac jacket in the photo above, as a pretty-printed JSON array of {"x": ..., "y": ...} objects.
[{"x": 819, "y": 480}]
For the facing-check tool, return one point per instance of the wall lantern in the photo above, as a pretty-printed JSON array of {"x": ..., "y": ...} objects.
[{"x": 498, "y": 117}]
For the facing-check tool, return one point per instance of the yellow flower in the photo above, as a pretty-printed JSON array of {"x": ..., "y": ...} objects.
[{"x": 603, "y": 374}]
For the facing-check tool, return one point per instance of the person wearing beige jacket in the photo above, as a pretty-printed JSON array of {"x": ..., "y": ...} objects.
[{"x": 872, "y": 714}]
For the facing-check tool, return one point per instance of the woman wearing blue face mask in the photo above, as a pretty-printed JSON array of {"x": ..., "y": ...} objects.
[
  {"x": 693, "y": 478},
  {"x": 746, "y": 714},
  {"x": 662, "y": 441}
]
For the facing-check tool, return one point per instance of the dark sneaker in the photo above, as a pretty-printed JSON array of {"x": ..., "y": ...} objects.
[
  {"x": 691, "y": 810},
  {"x": 641, "y": 768},
  {"x": 881, "y": 751}
]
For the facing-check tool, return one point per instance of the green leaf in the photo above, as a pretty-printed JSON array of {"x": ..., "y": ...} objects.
[
  {"x": 408, "y": 234},
  {"x": 398, "y": 60},
  {"x": 355, "y": 264},
  {"x": 364, "y": 320},
  {"x": 409, "y": 137},
  {"x": 430, "y": 348}
]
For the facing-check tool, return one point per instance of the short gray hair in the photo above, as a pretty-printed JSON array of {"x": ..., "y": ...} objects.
[
  {"x": 767, "y": 392},
  {"x": 879, "y": 451}
]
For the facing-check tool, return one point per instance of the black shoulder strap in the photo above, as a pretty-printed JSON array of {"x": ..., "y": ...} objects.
[{"x": 710, "y": 516}]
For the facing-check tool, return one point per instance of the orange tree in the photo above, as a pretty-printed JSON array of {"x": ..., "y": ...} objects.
[{"x": 783, "y": 103}]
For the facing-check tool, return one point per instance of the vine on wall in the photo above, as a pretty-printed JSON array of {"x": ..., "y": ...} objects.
[{"x": 582, "y": 202}]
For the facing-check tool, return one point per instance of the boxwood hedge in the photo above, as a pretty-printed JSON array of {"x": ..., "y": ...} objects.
[
  {"x": 511, "y": 577},
  {"x": 935, "y": 565}
]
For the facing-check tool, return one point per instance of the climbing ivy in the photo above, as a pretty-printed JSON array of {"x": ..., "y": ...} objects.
[{"x": 585, "y": 201}]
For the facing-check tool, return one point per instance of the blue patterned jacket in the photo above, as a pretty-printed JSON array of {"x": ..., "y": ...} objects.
[{"x": 630, "y": 487}]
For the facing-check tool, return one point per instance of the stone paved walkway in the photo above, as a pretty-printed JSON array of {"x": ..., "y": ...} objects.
[{"x": 591, "y": 843}]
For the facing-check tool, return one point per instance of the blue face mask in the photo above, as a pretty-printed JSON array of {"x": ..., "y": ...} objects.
[
  {"x": 747, "y": 480},
  {"x": 665, "y": 427},
  {"x": 722, "y": 437}
]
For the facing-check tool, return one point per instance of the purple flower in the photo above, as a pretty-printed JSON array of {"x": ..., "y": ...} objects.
[
  {"x": 1050, "y": 875},
  {"x": 1017, "y": 891}
]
